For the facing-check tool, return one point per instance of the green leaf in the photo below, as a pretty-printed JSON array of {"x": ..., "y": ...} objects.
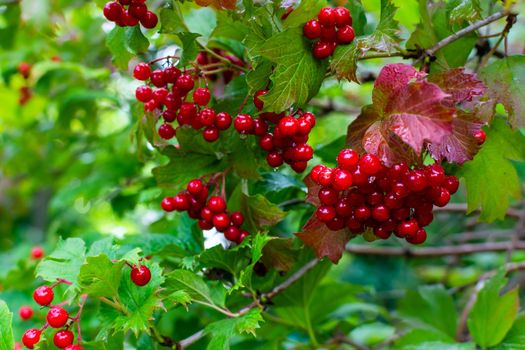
[
  {"x": 196, "y": 288},
  {"x": 440, "y": 346},
  {"x": 6, "y": 332},
  {"x": 258, "y": 78},
  {"x": 229, "y": 28},
  {"x": 492, "y": 167},
  {"x": 430, "y": 306},
  {"x": 136, "y": 42},
  {"x": 493, "y": 313},
  {"x": 417, "y": 336},
  {"x": 515, "y": 338},
  {"x": 124, "y": 43},
  {"x": 190, "y": 47},
  {"x": 465, "y": 10},
  {"x": 171, "y": 19},
  {"x": 64, "y": 262},
  {"x": 505, "y": 80},
  {"x": 100, "y": 277},
  {"x": 306, "y": 10},
  {"x": 372, "y": 333},
  {"x": 222, "y": 331},
  {"x": 297, "y": 76},
  {"x": 180, "y": 297}
]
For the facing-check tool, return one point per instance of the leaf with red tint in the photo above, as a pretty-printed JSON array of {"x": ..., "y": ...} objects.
[
  {"x": 392, "y": 80},
  {"x": 462, "y": 86},
  {"x": 324, "y": 241},
  {"x": 218, "y": 4},
  {"x": 313, "y": 191},
  {"x": 461, "y": 145}
]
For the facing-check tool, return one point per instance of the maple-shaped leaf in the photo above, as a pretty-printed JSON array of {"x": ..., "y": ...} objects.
[
  {"x": 313, "y": 191},
  {"x": 218, "y": 4},
  {"x": 323, "y": 241},
  {"x": 461, "y": 145},
  {"x": 406, "y": 109},
  {"x": 462, "y": 86}
]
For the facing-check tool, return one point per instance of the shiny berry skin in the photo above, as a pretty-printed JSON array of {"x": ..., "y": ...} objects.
[
  {"x": 216, "y": 204},
  {"x": 127, "y": 20},
  {"x": 416, "y": 181},
  {"x": 424, "y": 219},
  {"x": 480, "y": 137},
  {"x": 242, "y": 236},
  {"x": 326, "y": 177},
  {"x": 312, "y": 30},
  {"x": 362, "y": 213},
  {"x": 157, "y": 78},
  {"x": 113, "y": 11},
  {"x": 201, "y": 96},
  {"x": 244, "y": 124},
  {"x": 63, "y": 339},
  {"x": 382, "y": 232},
  {"x": 348, "y": 159},
  {"x": 266, "y": 142},
  {"x": 327, "y": 16},
  {"x": 370, "y": 164},
  {"x": 328, "y": 196},
  {"x": 37, "y": 253},
  {"x": 341, "y": 179},
  {"x": 168, "y": 204},
  {"x": 442, "y": 197},
  {"x": 232, "y": 233},
  {"x": 57, "y": 317},
  {"x": 398, "y": 171},
  {"x": 310, "y": 118},
  {"x": 322, "y": 50},
  {"x": 221, "y": 221},
  {"x": 210, "y": 134},
  {"x": 288, "y": 126},
  {"x": 144, "y": 93},
  {"x": 195, "y": 187},
  {"x": 142, "y": 71},
  {"x": 375, "y": 198},
  {"x": 31, "y": 337},
  {"x": 205, "y": 225},
  {"x": 43, "y": 295},
  {"x": 237, "y": 218},
  {"x": 407, "y": 228},
  {"x": 336, "y": 224},
  {"x": 303, "y": 152},
  {"x": 392, "y": 201},
  {"x": 223, "y": 121},
  {"x": 419, "y": 238},
  {"x": 159, "y": 95},
  {"x": 342, "y": 16},
  {"x": 343, "y": 208},
  {"x": 185, "y": 83},
  {"x": 274, "y": 159},
  {"x": 381, "y": 213},
  {"x": 260, "y": 127},
  {"x": 451, "y": 183},
  {"x": 325, "y": 213},
  {"x": 359, "y": 177},
  {"x": 166, "y": 131},
  {"x": 140, "y": 275},
  {"x": 435, "y": 175},
  {"x": 149, "y": 20},
  {"x": 304, "y": 127},
  {"x": 345, "y": 35},
  {"x": 316, "y": 170},
  {"x": 171, "y": 74},
  {"x": 25, "y": 312},
  {"x": 181, "y": 202},
  {"x": 188, "y": 112},
  {"x": 137, "y": 10},
  {"x": 259, "y": 104},
  {"x": 328, "y": 34},
  {"x": 207, "y": 117}
]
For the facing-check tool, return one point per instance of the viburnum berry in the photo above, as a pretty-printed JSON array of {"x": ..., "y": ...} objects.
[
  {"x": 113, "y": 11},
  {"x": 259, "y": 104},
  {"x": 341, "y": 179},
  {"x": 216, "y": 204},
  {"x": 325, "y": 213},
  {"x": 166, "y": 131},
  {"x": 451, "y": 183},
  {"x": 221, "y": 221},
  {"x": 195, "y": 187},
  {"x": 370, "y": 164},
  {"x": 327, "y": 16},
  {"x": 210, "y": 134},
  {"x": 168, "y": 204},
  {"x": 345, "y": 35},
  {"x": 237, "y": 218},
  {"x": 288, "y": 126},
  {"x": 380, "y": 213},
  {"x": 137, "y": 10},
  {"x": 140, "y": 275},
  {"x": 328, "y": 196},
  {"x": 171, "y": 74},
  {"x": 329, "y": 34},
  {"x": 407, "y": 228},
  {"x": 274, "y": 159},
  {"x": 157, "y": 78},
  {"x": 44, "y": 295},
  {"x": 419, "y": 237},
  {"x": 185, "y": 83},
  {"x": 480, "y": 137},
  {"x": 347, "y": 159},
  {"x": 25, "y": 312},
  {"x": 144, "y": 93},
  {"x": 342, "y": 16},
  {"x": 142, "y": 71},
  {"x": 223, "y": 121},
  {"x": 312, "y": 30},
  {"x": 57, "y": 317},
  {"x": 63, "y": 338},
  {"x": 232, "y": 233},
  {"x": 416, "y": 180},
  {"x": 31, "y": 337},
  {"x": 37, "y": 253},
  {"x": 201, "y": 96},
  {"x": 322, "y": 50},
  {"x": 149, "y": 20},
  {"x": 24, "y": 69},
  {"x": 244, "y": 124}
]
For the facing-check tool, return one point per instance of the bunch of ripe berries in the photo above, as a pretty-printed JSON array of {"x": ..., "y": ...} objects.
[{"x": 129, "y": 13}]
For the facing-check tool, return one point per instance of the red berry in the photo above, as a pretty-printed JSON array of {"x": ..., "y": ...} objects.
[
  {"x": 144, "y": 93},
  {"x": 325, "y": 177},
  {"x": 362, "y": 213},
  {"x": 304, "y": 127},
  {"x": 288, "y": 126},
  {"x": 310, "y": 118},
  {"x": 166, "y": 131},
  {"x": 244, "y": 124},
  {"x": 329, "y": 34},
  {"x": 171, "y": 74},
  {"x": 216, "y": 204},
  {"x": 37, "y": 253},
  {"x": 266, "y": 142},
  {"x": 480, "y": 137},
  {"x": 259, "y": 104},
  {"x": 127, "y": 20},
  {"x": 359, "y": 178},
  {"x": 210, "y": 134},
  {"x": 140, "y": 275},
  {"x": 157, "y": 78},
  {"x": 382, "y": 232},
  {"x": 442, "y": 197},
  {"x": 370, "y": 164},
  {"x": 328, "y": 196},
  {"x": 142, "y": 71},
  {"x": 221, "y": 221},
  {"x": 31, "y": 337},
  {"x": 205, "y": 225},
  {"x": 325, "y": 213},
  {"x": 407, "y": 228},
  {"x": 419, "y": 238},
  {"x": 314, "y": 174},
  {"x": 342, "y": 16},
  {"x": 44, "y": 295},
  {"x": 435, "y": 175},
  {"x": 424, "y": 218},
  {"x": 451, "y": 183},
  {"x": 195, "y": 187},
  {"x": 345, "y": 35},
  {"x": 341, "y": 179},
  {"x": 113, "y": 11},
  {"x": 327, "y": 16},
  {"x": 260, "y": 127},
  {"x": 172, "y": 101},
  {"x": 381, "y": 213},
  {"x": 343, "y": 208},
  {"x": 242, "y": 236},
  {"x": 312, "y": 30},
  {"x": 168, "y": 204},
  {"x": 185, "y": 84},
  {"x": 348, "y": 159},
  {"x": 274, "y": 159},
  {"x": 398, "y": 171},
  {"x": 416, "y": 180},
  {"x": 201, "y": 96},
  {"x": 400, "y": 189},
  {"x": 232, "y": 233},
  {"x": 138, "y": 10},
  {"x": 63, "y": 339},
  {"x": 336, "y": 224},
  {"x": 57, "y": 317},
  {"x": 149, "y": 20},
  {"x": 24, "y": 69},
  {"x": 25, "y": 312},
  {"x": 401, "y": 213},
  {"x": 207, "y": 117},
  {"x": 303, "y": 152},
  {"x": 180, "y": 202},
  {"x": 223, "y": 121},
  {"x": 322, "y": 50},
  {"x": 392, "y": 201},
  {"x": 354, "y": 225},
  {"x": 237, "y": 218},
  {"x": 187, "y": 113},
  {"x": 375, "y": 198}
]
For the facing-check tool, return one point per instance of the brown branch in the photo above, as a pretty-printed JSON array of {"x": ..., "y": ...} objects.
[{"x": 436, "y": 251}]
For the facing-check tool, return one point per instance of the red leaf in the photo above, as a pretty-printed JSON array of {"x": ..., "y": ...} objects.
[
  {"x": 324, "y": 241},
  {"x": 461, "y": 145},
  {"x": 461, "y": 86},
  {"x": 313, "y": 191}
]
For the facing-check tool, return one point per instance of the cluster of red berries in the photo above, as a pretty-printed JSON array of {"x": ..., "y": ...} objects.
[
  {"x": 172, "y": 89},
  {"x": 206, "y": 59},
  {"x": 136, "y": 11},
  {"x": 283, "y": 136},
  {"x": 211, "y": 212},
  {"x": 57, "y": 318},
  {"x": 24, "y": 69},
  {"x": 362, "y": 193},
  {"x": 332, "y": 27}
]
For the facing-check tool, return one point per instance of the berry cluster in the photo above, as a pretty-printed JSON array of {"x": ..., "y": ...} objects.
[
  {"x": 211, "y": 212},
  {"x": 24, "y": 69},
  {"x": 57, "y": 318},
  {"x": 205, "y": 59},
  {"x": 283, "y": 136},
  {"x": 172, "y": 89},
  {"x": 136, "y": 11},
  {"x": 332, "y": 27},
  {"x": 362, "y": 193}
]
